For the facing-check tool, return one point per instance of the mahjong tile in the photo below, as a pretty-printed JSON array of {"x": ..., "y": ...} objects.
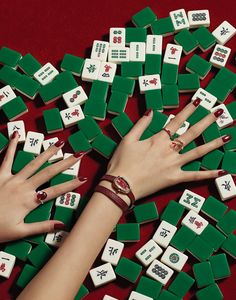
[
  {"x": 118, "y": 54},
  {"x": 46, "y": 74},
  {"x": 56, "y": 239},
  {"x": 90, "y": 69},
  {"x": 70, "y": 116},
  {"x": 69, "y": 200},
  {"x": 224, "y": 32},
  {"x": 137, "y": 296},
  {"x": 172, "y": 54},
  {"x": 194, "y": 222},
  {"x": 137, "y": 51},
  {"x": 226, "y": 187},
  {"x": 6, "y": 95},
  {"x": 191, "y": 200},
  {"x": 47, "y": 143},
  {"x": 112, "y": 251},
  {"x": 199, "y": 18},
  {"x": 100, "y": 50},
  {"x": 164, "y": 234},
  {"x": 107, "y": 297},
  {"x": 102, "y": 274},
  {"x": 7, "y": 262},
  {"x": 18, "y": 126},
  {"x": 174, "y": 258},
  {"x": 160, "y": 272},
  {"x": 225, "y": 119},
  {"x": 33, "y": 142},
  {"x": 117, "y": 37},
  {"x": 184, "y": 127},
  {"x": 74, "y": 169},
  {"x": 148, "y": 252},
  {"x": 179, "y": 19},
  {"x": 107, "y": 71},
  {"x": 149, "y": 82},
  {"x": 208, "y": 100},
  {"x": 74, "y": 97},
  {"x": 220, "y": 56},
  {"x": 154, "y": 44}
]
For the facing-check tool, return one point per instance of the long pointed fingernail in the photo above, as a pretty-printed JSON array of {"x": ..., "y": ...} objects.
[
  {"x": 59, "y": 143},
  {"x": 226, "y": 138},
  {"x": 82, "y": 178},
  {"x": 197, "y": 102},
  {"x": 59, "y": 226},
  {"x": 14, "y": 134},
  {"x": 148, "y": 112},
  {"x": 222, "y": 173},
  {"x": 41, "y": 195},
  {"x": 219, "y": 112},
  {"x": 79, "y": 154}
]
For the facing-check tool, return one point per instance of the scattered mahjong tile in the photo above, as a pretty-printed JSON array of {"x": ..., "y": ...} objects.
[
  {"x": 70, "y": 116},
  {"x": 89, "y": 127},
  {"x": 211, "y": 132},
  {"x": 6, "y": 94},
  {"x": 169, "y": 74},
  {"x": 153, "y": 100},
  {"x": 74, "y": 169},
  {"x": 188, "y": 83},
  {"x": 131, "y": 69},
  {"x": 9, "y": 76},
  {"x": 182, "y": 238},
  {"x": 181, "y": 284},
  {"x": 183, "y": 128},
  {"x": 66, "y": 82},
  {"x": 179, "y": 19},
  {"x": 99, "y": 50},
  {"x": 117, "y": 37},
  {"x": 164, "y": 234},
  {"x": 219, "y": 90},
  {"x": 157, "y": 122},
  {"x": 220, "y": 266},
  {"x": 149, "y": 287},
  {"x": 198, "y": 65},
  {"x": 129, "y": 232},
  {"x": 7, "y": 262},
  {"x": 199, "y": 113},
  {"x": 166, "y": 295},
  {"x": 152, "y": 64},
  {"x": 203, "y": 274},
  {"x": 107, "y": 72},
  {"x": 148, "y": 252},
  {"x": 22, "y": 158},
  {"x": 172, "y": 54},
  {"x": 74, "y": 97},
  {"x": 135, "y": 35},
  {"x": 40, "y": 255},
  {"x": 18, "y": 126},
  {"x": 19, "y": 249},
  {"x": 137, "y": 296},
  {"x": 26, "y": 275},
  {"x": 200, "y": 249},
  {"x": 214, "y": 208},
  {"x": 231, "y": 145},
  {"x": 60, "y": 178},
  {"x": 224, "y": 32},
  {"x": 192, "y": 145},
  {"x": 122, "y": 124},
  {"x": 46, "y": 74},
  {"x": 95, "y": 109},
  {"x": 9, "y": 57},
  {"x": 14, "y": 108},
  {"x": 56, "y": 239},
  {"x": 90, "y": 69},
  {"x": 212, "y": 160},
  {"x": 47, "y": 143},
  {"x": 210, "y": 292},
  {"x": 192, "y": 166},
  {"x": 232, "y": 109},
  {"x": 163, "y": 27},
  {"x": 219, "y": 56},
  {"x": 226, "y": 187},
  {"x": 160, "y": 272},
  {"x": 229, "y": 246},
  {"x": 104, "y": 145},
  {"x": 227, "y": 224},
  {"x": 112, "y": 252},
  {"x": 33, "y": 142},
  {"x": 191, "y": 200},
  {"x": 3, "y": 142},
  {"x": 79, "y": 142},
  {"x": 137, "y": 52},
  {"x": 99, "y": 90},
  {"x": 124, "y": 85},
  {"x": 226, "y": 77},
  {"x": 227, "y": 164},
  {"x": 72, "y": 63},
  {"x": 83, "y": 291},
  {"x": 174, "y": 258},
  {"x": 68, "y": 200},
  {"x": 27, "y": 86},
  {"x": 146, "y": 212},
  {"x": 225, "y": 119},
  {"x": 41, "y": 213},
  {"x": 170, "y": 96},
  {"x": 118, "y": 54},
  {"x": 207, "y": 99},
  {"x": 144, "y": 17},
  {"x": 154, "y": 44},
  {"x": 194, "y": 222},
  {"x": 146, "y": 134},
  {"x": 172, "y": 213},
  {"x": 205, "y": 38},
  {"x": 198, "y": 18},
  {"x": 186, "y": 39},
  {"x": 213, "y": 237},
  {"x": 65, "y": 215},
  {"x": 128, "y": 269},
  {"x": 52, "y": 120},
  {"x": 50, "y": 92},
  {"x": 117, "y": 103},
  {"x": 149, "y": 82}
]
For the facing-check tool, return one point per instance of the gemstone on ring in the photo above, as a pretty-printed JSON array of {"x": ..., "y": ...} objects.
[
  {"x": 41, "y": 195},
  {"x": 177, "y": 145}
]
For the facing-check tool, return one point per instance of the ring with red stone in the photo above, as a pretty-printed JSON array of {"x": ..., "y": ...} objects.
[
  {"x": 41, "y": 196},
  {"x": 177, "y": 145},
  {"x": 167, "y": 131}
]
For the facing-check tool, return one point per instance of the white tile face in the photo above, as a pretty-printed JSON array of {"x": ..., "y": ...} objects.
[
  {"x": 100, "y": 50},
  {"x": 148, "y": 252},
  {"x": 208, "y": 100},
  {"x": 154, "y": 44},
  {"x": 117, "y": 37},
  {"x": 137, "y": 51},
  {"x": 102, "y": 274},
  {"x": 225, "y": 119},
  {"x": 68, "y": 200},
  {"x": 46, "y": 74},
  {"x": 199, "y": 18},
  {"x": 172, "y": 54},
  {"x": 164, "y": 234},
  {"x": 33, "y": 142},
  {"x": 137, "y": 296},
  {"x": 6, "y": 95},
  {"x": 184, "y": 127},
  {"x": 7, "y": 262},
  {"x": 118, "y": 54},
  {"x": 226, "y": 187},
  {"x": 224, "y": 32},
  {"x": 179, "y": 19},
  {"x": 219, "y": 56},
  {"x": 107, "y": 71},
  {"x": 194, "y": 222},
  {"x": 47, "y": 144},
  {"x": 77, "y": 96},
  {"x": 70, "y": 116},
  {"x": 160, "y": 272},
  {"x": 73, "y": 170},
  {"x": 174, "y": 258},
  {"x": 18, "y": 126},
  {"x": 149, "y": 82},
  {"x": 90, "y": 69},
  {"x": 107, "y": 297},
  {"x": 112, "y": 252},
  {"x": 56, "y": 239},
  {"x": 191, "y": 200}
]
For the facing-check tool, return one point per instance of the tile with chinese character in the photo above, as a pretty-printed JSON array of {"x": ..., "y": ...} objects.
[
  {"x": 184, "y": 127},
  {"x": 77, "y": 96},
  {"x": 112, "y": 252},
  {"x": 102, "y": 274},
  {"x": 33, "y": 142},
  {"x": 70, "y": 116},
  {"x": 199, "y": 18},
  {"x": 107, "y": 71},
  {"x": 100, "y": 50},
  {"x": 69, "y": 200},
  {"x": 149, "y": 82},
  {"x": 74, "y": 169},
  {"x": 90, "y": 69},
  {"x": 118, "y": 54},
  {"x": 225, "y": 119},
  {"x": 7, "y": 262},
  {"x": 164, "y": 234},
  {"x": 18, "y": 126},
  {"x": 117, "y": 37},
  {"x": 179, "y": 19},
  {"x": 6, "y": 95},
  {"x": 208, "y": 100},
  {"x": 172, "y": 54},
  {"x": 191, "y": 200},
  {"x": 154, "y": 44},
  {"x": 148, "y": 252},
  {"x": 56, "y": 239},
  {"x": 224, "y": 32},
  {"x": 219, "y": 56},
  {"x": 174, "y": 258},
  {"x": 194, "y": 222},
  {"x": 49, "y": 142},
  {"x": 160, "y": 272},
  {"x": 137, "y": 51},
  {"x": 46, "y": 74},
  {"x": 226, "y": 187}
]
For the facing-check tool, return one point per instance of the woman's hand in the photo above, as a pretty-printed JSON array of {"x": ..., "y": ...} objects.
[
  {"x": 155, "y": 163},
  {"x": 18, "y": 194}
]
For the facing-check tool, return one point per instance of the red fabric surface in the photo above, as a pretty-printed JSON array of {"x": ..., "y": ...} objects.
[{"x": 48, "y": 30}]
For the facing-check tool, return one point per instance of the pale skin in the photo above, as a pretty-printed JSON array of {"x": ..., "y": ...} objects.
[{"x": 60, "y": 280}]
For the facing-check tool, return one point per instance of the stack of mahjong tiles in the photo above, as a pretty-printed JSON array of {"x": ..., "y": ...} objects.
[{"x": 132, "y": 54}]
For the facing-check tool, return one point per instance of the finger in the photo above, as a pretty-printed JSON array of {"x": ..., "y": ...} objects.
[
  {"x": 41, "y": 227},
  {"x": 136, "y": 132},
  {"x": 201, "y": 175},
  {"x": 10, "y": 153},
  {"x": 35, "y": 164}
]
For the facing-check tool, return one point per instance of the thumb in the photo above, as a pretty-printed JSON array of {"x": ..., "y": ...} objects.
[{"x": 42, "y": 227}]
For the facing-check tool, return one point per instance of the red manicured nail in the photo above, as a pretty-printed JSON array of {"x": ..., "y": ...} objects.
[
  {"x": 197, "y": 102},
  {"x": 147, "y": 112},
  {"x": 79, "y": 154},
  {"x": 226, "y": 138},
  {"x": 219, "y": 112},
  {"x": 59, "y": 143},
  {"x": 15, "y": 134},
  {"x": 83, "y": 178},
  {"x": 222, "y": 173},
  {"x": 59, "y": 226},
  {"x": 41, "y": 195}
]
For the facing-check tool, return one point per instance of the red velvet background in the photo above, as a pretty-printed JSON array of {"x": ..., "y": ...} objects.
[{"x": 48, "y": 30}]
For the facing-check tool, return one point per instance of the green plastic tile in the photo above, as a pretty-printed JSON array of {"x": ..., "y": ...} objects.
[
  {"x": 50, "y": 92},
  {"x": 149, "y": 287},
  {"x": 29, "y": 64},
  {"x": 212, "y": 160},
  {"x": 72, "y": 63},
  {"x": 214, "y": 208},
  {"x": 122, "y": 124},
  {"x": 220, "y": 266},
  {"x": 21, "y": 160},
  {"x": 192, "y": 166},
  {"x": 228, "y": 223},
  {"x": 199, "y": 113},
  {"x": 89, "y": 127},
  {"x": 183, "y": 238},
  {"x": 181, "y": 284},
  {"x": 65, "y": 215},
  {"x": 123, "y": 84},
  {"x": 146, "y": 212},
  {"x": 226, "y": 77},
  {"x": 166, "y": 295},
  {"x": 200, "y": 249},
  {"x": 9, "y": 76},
  {"x": 172, "y": 213},
  {"x": 210, "y": 292},
  {"x": 9, "y": 57},
  {"x": 131, "y": 69},
  {"x": 129, "y": 232},
  {"x": 163, "y": 26},
  {"x": 52, "y": 119},
  {"x": 99, "y": 90},
  {"x": 219, "y": 90},
  {"x": 66, "y": 81},
  {"x": 198, "y": 65},
  {"x": 95, "y": 109},
  {"x": 104, "y": 145},
  {"x": 213, "y": 237},
  {"x": 27, "y": 86},
  {"x": 19, "y": 249},
  {"x": 146, "y": 134},
  {"x": 232, "y": 109},
  {"x": 158, "y": 121},
  {"x": 229, "y": 246},
  {"x": 144, "y": 17},
  {"x": 227, "y": 164},
  {"x": 211, "y": 132},
  {"x": 152, "y": 64},
  {"x": 153, "y": 99},
  {"x": 192, "y": 145},
  {"x": 203, "y": 274},
  {"x": 3, "y": 142},
  {"x": 188, "y": 82},
  {"x": 128, "y": 269},
  {"x": 169, "y": 73},
  {"x": 170, "y": 96},
  {"x": 27, "y": 274},
  {"x": 60, "y": 178},
  {"x": 135, "y": 35},
  {"x": 14, "y": 108},
  {"x": 40, "y": 255},
  {"x": 186, "y": 39},
  {"x": 79, "y": 142},
  {"x": 205, "y": 38},
  {"x": 231, "y": 145},
  {"x": 83, "y": 291},
  {"x": 117, "y": 103}
]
